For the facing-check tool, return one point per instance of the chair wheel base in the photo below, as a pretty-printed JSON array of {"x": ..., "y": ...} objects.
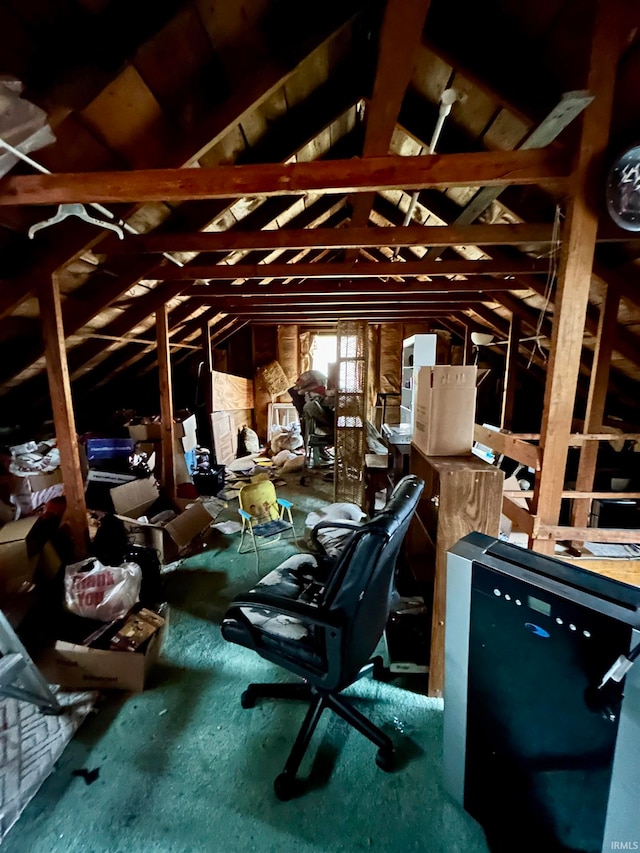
[
  {"x": 286, "y": 787},
  {"x": 248, "y": 699},
  {"x": 385, "y": 759},
  {"x": 380, "y": 671}
]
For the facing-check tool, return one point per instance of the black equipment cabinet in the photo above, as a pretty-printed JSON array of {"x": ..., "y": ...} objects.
[{"x": 534, "y": 749}]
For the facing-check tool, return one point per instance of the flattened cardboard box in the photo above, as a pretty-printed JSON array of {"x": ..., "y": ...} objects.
[
  {"x": 445, "y": 408},
  {"x": 75, "y": 666},
  {"x": 133, "y": 499}
]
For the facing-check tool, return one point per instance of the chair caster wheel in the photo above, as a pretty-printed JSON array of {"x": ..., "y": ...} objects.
[
  {"x": 385, "y": 759},
  {"x": 285, "y": 787},
  {"x": 248, "y": 699},
  {"x": 380, "y": 671}
]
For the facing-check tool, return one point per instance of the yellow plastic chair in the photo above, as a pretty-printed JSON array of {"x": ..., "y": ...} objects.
[{"x": 265, "y": 516}]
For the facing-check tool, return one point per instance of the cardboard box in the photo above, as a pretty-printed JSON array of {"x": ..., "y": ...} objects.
[
  {"x": 75, "y": 666},
  {"x": 445, "y": 408},
  {"x": 133, "y": 500},
  {"x": 151, "y": 430},
  {"x": 19, "y": 550},
  {"x": 36, "y": 489}
]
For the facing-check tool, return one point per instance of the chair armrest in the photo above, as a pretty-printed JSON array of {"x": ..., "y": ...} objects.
[
  {"x": 288, "y": 607},
  {"x": 284, "y": 502},
  {"x": 245, "y": 514}
]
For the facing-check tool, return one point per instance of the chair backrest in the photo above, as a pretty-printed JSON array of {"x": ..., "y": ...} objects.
[
  {"x": 259, "y": 500},
  {"x": 361, "y": 582}
]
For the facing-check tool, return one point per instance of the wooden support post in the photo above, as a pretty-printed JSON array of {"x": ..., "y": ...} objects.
[
  {"x": 63, "y": 415},
  {"x": 596, "y": 402},
  {"x": 468, "y": 346},
  {"x": 510, "y": 374},
  {"x": 166, "y": 401},
  {"x": 574, "y": 278},
  {"x": 205, "y": 379}
]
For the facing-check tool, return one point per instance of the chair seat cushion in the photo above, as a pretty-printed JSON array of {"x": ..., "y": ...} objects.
[
  {"x": 270, "y": 528},
  {"x": 293, "y": 579}
]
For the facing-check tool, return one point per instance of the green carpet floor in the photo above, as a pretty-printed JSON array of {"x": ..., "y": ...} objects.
[{"x": 182, "y": 767}]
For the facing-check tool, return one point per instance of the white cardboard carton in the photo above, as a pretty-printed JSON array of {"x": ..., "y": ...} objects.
[{"x": 445, "y": 407}]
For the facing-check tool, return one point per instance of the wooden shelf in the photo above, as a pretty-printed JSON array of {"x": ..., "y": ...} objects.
[{"x": 461, "y": 494}]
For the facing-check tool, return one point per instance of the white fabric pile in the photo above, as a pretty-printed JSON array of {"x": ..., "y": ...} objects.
[{"x": 332, "y": 538}]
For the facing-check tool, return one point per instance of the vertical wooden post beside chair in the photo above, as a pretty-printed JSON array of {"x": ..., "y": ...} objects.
[
  {"x": 323, "y": 623},
  {"x": 264, "y": 515}
]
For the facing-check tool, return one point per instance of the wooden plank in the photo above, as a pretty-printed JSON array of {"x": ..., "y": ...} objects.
[
  {"x": 166, "y": 401},
  {"x": 626, "y": 571},
  {"x": 319, "y": 286},
  {"x": 517, "y": 513},
  {"x": 596, "y": 401},
  {"x": 578, "y": 496},
  {"x": 231, "y": 392},
  {"x": 574, "y": 278},
  {"x": 63, "y": 415},
  {"x": 554, "y": 532},
  {"x": 523, "y": 452},
  {"x": 341, "y": 238},
  {"x": 352, "y": 269},
  {"x": 510, "y": 374},
  {"x": 485, "y": 168}
]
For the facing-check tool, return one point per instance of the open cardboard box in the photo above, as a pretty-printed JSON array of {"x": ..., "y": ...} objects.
[
  {"x": 135, "y": 499},
  {"x": 76, "y": 666},
  {"x": 151, "y": 430},
  {"x": 19, "y": 550}
]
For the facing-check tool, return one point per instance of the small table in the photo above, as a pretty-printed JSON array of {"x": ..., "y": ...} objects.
[
  {"x": 376, "y": 476},
  {"x": 399, "y": 446}
]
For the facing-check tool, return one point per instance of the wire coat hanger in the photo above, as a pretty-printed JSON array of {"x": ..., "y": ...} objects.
[{"x": 81, "y": 212}]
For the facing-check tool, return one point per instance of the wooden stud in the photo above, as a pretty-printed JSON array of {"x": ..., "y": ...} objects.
[
  {"x": 574, "y": 279},
  {"x": 166, "y": 401},
  {"x": 63, "y": 415},
  {"x": 596, "y": 402},
  {"x": 510, "y": 374}
]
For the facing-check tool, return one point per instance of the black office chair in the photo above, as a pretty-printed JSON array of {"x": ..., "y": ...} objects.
[{"x": 323, "y": 623}]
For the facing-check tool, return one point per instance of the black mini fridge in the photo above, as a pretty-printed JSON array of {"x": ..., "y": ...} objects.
[{"x": 536, "y": 748}]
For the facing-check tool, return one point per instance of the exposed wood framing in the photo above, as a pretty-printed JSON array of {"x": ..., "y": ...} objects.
[
  {"x": 63, "y": 416},
  {"x": 166, "y": 401},
  {"x": 486, "y": 168},
  {"x": 574, "y": 278}
]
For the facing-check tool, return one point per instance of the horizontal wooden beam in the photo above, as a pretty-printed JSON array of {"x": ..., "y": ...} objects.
[
  {"x": 514, "y": 448},
  {"x": 441, "y": 286},
  {"x": 487, "y": 168},
  {"x": 521, "y": 516},
  {"x": 352, "y": 238},
  {"x": 357, "y": 269},
  {"x": 587, "y": 534},
  {"x": 578, "y": 496},
  {"x": 348, "y": 310},
  {"x": 337, "y": 238},
  {"x": 283, "y": 299}
]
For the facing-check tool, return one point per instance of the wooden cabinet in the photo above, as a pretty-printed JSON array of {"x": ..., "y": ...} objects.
[{"x": 461, "y": 494}]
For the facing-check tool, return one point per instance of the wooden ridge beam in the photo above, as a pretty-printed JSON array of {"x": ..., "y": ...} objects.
[{"x": 486, "y": 168}]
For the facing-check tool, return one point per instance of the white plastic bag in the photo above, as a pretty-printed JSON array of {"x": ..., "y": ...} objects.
[{"x": 101, "y": 592}]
